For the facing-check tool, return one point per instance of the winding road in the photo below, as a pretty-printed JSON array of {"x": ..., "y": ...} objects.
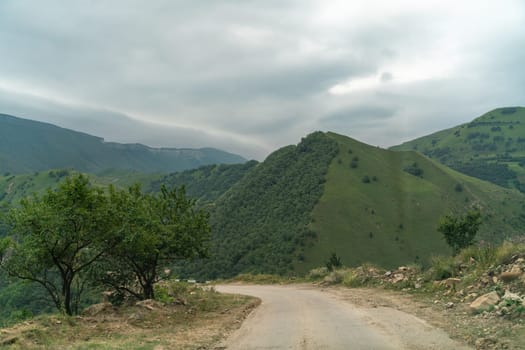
[{"x": 304, "y": 317}]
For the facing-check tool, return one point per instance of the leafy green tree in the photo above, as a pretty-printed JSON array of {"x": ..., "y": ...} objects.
[
  {"x": 56, "y": 237},
  {"x": 460, "y": 232},
  {"x": 157, "y": 230}
]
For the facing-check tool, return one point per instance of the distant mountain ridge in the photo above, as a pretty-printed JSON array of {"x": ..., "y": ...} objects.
[{"x": 27, "y": 146}]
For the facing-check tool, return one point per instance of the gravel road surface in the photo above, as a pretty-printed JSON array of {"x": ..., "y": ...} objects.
[{"x": 304, "y": 317}]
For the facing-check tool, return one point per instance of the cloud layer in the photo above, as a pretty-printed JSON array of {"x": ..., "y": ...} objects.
[{"x": 250, "y": 76}]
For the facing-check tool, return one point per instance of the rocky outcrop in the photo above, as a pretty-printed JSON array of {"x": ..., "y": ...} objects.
[{"x": 485, "y": 302}]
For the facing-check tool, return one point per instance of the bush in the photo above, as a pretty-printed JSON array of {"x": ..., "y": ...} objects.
[
  {"x": 506, "y": 251},
  {"x": 414, "y": 169},
  {"x": 318, "y": 273},
  {"x": 442, "y": 267},
  {"x": 483, "y": 254},
  {"x": 366, "y": 179},
  {"x": 333, "y": 262},
  {"x": 335, "y": 277},
  {"x": 459, "y": 232}
]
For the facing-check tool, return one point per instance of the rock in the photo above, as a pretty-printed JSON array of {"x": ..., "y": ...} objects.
[
  {"x": 388, "y": 273},
  {"x": 398, "y": 277},
  {"x": 485, "y": 302},
  {"x": 96, "y": 309},
  {"x": 494, "y": 279},
  {"x": 449, "y": 305},
  {"x": 519, "y": 261},
  {"x": 510, "y": 276},
  {"x": 417, "y": 285},
  {"x": 451, "y": 282},
  {"x": 512, "y": 296},
  {"x": 402, "y": 268}
]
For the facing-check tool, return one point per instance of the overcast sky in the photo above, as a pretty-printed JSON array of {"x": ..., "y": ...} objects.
[{"x": 250, "y": 76}]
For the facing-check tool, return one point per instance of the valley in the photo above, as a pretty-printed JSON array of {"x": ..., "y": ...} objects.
[{"x": 327, "y": 195}]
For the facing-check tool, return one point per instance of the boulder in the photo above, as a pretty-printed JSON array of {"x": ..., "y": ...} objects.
[
  {"x": 510, "y": 276},
  {"x": 485, "y": 302}
]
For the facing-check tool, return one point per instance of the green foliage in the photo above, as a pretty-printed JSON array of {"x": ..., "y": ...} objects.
[
  {"x": 442, "y": 267},
  {"x": 262, "y": 223},
  {"x": 414, "y": 169},
  {"x": 155, "y": 230},
  {"x": 72, "y": 239},
  {"x": 460, "y": 232},
  {"x": 334, "y": 262},
  {"x": 206, "y": 183},
  {"x": 57, "y": 237}
]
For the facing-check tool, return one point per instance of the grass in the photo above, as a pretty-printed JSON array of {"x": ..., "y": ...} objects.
[
  {"x": 392, "y": 220},
  {"x": 191, "y": 317}
]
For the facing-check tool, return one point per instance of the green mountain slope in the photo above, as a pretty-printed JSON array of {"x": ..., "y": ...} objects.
[
  {"x": 27, "y": 146},
  {"x": 334, "y": 194},
  {"x": 385, "y": 207},
  {"x": 207, "y": 183},
  {"x": 491, "y": 147},
  {"x": 261, "y": 223}
]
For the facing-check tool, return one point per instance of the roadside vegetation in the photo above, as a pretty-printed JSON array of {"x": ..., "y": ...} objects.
[
  {"x": 182, "y": 316},
  {"x": 481, "y": 290}
]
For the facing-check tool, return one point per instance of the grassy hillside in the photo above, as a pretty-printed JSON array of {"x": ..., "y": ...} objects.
[
  {"x": 261, "y": 223},
  {"x": 27, "y": 146},
  {"x": 334, "y": 194},
  {"x": 491, "y": 147},
  {"x": 383, "y": 207}
]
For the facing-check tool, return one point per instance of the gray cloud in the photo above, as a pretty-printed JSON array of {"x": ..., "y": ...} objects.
[{"x": 250, "y": 76}]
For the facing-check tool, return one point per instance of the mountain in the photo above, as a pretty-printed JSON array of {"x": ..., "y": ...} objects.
[
  {"x": 491, "y": 147},
  {"x": 331, "y": 193},
  {"x": 27, "y": 146}
]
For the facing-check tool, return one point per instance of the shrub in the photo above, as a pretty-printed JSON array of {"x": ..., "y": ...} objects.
[
  {"x": 333, "y": 262},
  {"x": 352, "y": 279},
  {"x": 459, "y": 232},
  {"x": 485, "y": 255},
  {"x": 414, "y": 169},
  {"x": 443, "y": 267},
  {"x": 318, "y": 273},
  {"x": 366, "y": 179},
  {"x": 506, "y": 251},
  {"x": 335, "y": 277}
]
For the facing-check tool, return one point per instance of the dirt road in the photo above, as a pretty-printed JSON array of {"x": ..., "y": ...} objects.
[{"x": 303, "y": 317}]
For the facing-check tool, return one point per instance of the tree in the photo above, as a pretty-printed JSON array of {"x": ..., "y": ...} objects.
[
  {"x": 460, "y": 232},
  {"x": 56, "y": 237},
  {"x": 157, "y": 230}
]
